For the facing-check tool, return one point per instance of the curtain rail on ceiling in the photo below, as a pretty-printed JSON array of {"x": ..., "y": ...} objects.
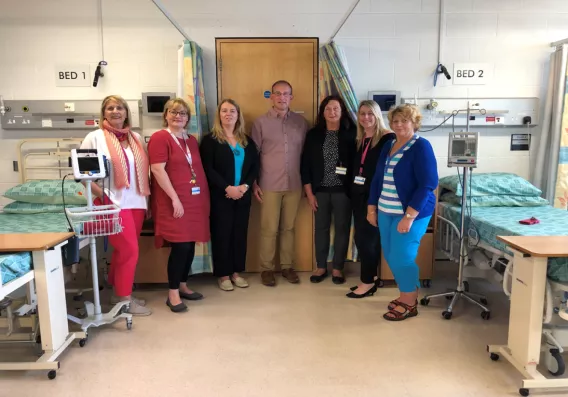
[
  {"x": 559, "y": 42},
  {"x": 345, "y": 18},
  {"x": 161, "y": 7}
]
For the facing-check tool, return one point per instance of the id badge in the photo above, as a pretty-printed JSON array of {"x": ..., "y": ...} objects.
[
  {"x": 341, "y": 170},
  {"x": 359, "y": 180},
  {"x": 195, "y": 190}
]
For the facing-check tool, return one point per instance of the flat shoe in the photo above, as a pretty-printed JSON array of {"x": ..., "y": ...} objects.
[
  {"x": 240, "y": 282},
  {"x": 225, "y": 285},
  {"x": 194, "y": 296},
  {"x": 318, "y": 279},
  {"x": 177, "y": 308}
]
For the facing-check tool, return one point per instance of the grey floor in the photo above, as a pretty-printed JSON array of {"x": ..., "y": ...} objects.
[{"x": 291, "y": 340}]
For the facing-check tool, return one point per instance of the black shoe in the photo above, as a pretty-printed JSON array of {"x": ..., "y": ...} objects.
[
  {"x": 378, "y": 282},
  {"x": 318, "y": 279},
  {"x": 370, "y": 292},
  {"x": 194, "y": 296},
  {"x": 177, "y": 308},
  {"x": 338, "y": 280}
]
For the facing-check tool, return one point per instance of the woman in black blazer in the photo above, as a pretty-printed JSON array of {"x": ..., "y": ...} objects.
[
  {"x": 327, "y": 159},
  {"x": 230, "y": 160},
  {"x": 371, "y": 137}
]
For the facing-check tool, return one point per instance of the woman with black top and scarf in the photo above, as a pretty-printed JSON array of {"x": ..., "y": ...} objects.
[
  {"x": 326, "y": 164},
  {"x": 371, "y": 137}
]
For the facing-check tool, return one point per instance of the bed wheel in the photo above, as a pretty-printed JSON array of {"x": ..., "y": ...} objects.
[
  {"x": 524, "y": 392},
  {"x": 447, "y": 315},
  {"x": 52, "y": 374},
  {"x": 424, "y": 301},
  {"x": 427, "y": 283},
  {"x": 560, "y": 367},
  {"x": 486, "y": 315},
  {"x": 82, "y": 342},
  {"x": 128, "y": 324},
  {"x": 494, "y": 357}
]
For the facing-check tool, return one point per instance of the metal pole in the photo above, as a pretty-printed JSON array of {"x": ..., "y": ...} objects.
[
  {"x": 559, "y": 42},
  {"x": 171, "y": 19},
  {"x": 442, "y": 30}
]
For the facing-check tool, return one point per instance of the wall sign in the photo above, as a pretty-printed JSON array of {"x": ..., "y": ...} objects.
[
  {"x": 472, "y": 73},
  {"x": 266, "y": 94},
  {"x": 72, "y": 76}
]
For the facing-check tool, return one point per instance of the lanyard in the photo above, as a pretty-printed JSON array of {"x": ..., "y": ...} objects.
[
  {"x": 364, "y": 156},
  {"x": 187, "y": 154}
]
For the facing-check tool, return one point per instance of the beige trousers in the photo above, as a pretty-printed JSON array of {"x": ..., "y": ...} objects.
[{"x": 277, "y": 218}]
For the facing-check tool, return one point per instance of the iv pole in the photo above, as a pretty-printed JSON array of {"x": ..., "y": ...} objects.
[{"x": 460, "y": 290}]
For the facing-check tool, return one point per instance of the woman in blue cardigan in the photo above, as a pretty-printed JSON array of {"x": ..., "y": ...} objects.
[{"x": 402, "y": 197}]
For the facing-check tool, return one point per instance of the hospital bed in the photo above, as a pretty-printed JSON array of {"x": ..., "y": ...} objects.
[{"x": 490, "y": 258}]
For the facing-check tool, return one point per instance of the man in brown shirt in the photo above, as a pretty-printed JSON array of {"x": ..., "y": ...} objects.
[{"x": 279, "y": 136}]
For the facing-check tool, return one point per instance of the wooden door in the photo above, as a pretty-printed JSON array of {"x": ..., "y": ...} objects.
[{"x": 246, "y": 69}]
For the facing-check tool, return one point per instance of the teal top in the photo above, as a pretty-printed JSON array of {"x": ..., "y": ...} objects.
[{"x": 239, "y": 155}]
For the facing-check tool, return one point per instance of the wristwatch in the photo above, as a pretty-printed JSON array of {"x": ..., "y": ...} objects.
[{"x": 247, "y": 186}]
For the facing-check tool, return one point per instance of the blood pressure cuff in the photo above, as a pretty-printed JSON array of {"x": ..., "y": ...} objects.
[{"x": 70, "y": 251}]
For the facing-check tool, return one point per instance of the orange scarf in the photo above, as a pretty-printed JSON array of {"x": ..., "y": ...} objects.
[{"x": 119, "y": 160}]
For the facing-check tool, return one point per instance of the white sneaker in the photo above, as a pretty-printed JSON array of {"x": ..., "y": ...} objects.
[
  {"x": 115, "y": 299},
  {"x": 136, "y": 310}
]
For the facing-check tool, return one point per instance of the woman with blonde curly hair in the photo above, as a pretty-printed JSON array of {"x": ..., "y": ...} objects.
[
  {"x": 231, "y": 164},
  {"x": 403, "y": 192}
]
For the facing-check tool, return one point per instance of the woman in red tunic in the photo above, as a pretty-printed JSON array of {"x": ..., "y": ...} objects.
[{"x": 180, "y": 198}]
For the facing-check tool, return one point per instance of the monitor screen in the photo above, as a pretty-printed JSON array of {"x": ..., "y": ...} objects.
[
  {"x": 156, "y": 103},
  {"x": 88, "y": 164}
]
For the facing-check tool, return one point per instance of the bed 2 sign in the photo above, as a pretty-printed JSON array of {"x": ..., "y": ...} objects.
[
  {"x": 472, "y": 73},
  {"x": 72, "y": 76}
]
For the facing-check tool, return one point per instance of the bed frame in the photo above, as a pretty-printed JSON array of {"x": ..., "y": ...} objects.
[
  {"x": 39, "y": 158},
  {"x": 501, "y": 271}
]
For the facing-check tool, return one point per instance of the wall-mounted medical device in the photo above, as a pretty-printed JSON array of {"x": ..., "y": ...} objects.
[
  {"x": 385, "y": 99},
  {"x": 153, "y": 102},
  {"x": 58, "y": 115},
  {"x": 462, "y": 149},
  {"x": 487, "y": 112}
]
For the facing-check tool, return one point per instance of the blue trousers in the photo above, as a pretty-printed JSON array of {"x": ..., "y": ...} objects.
[{"x": 400, "y": 249}]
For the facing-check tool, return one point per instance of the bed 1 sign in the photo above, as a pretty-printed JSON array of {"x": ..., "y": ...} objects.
[
  {"x": 72, "y": 76},
  {"x": 472, "y": 73}
]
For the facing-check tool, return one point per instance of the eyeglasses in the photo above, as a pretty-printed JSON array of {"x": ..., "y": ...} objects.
[
  {"x": 176, "y": 113},
  {"x": 284, "y": 94}
]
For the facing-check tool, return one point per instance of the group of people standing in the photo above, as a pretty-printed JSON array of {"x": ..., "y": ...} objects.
[{"x": 202, "y": 192}]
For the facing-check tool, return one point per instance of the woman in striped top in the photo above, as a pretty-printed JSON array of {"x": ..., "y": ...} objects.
[{"x": 403, "y": 193}]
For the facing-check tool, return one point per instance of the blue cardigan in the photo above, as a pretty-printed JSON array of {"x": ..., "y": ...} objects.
[{"x": 415, "y": 178}]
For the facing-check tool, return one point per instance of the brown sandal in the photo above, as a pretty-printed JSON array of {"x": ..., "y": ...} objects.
[
  {"x": 394, "y": 303},
  {"x": 395, "y": 315}
]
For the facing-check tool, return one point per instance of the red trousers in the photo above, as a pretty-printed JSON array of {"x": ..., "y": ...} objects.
[{"x": 125, "y": 254}]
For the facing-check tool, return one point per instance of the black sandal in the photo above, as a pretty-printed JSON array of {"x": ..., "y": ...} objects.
[{"x": 395, "y": 315}]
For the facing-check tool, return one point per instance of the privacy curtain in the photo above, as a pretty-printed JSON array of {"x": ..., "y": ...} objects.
[
  {"x": 191, "y": 88},
  {"x": 334, "y": 80},
  {"x": 551, "y": 168}
]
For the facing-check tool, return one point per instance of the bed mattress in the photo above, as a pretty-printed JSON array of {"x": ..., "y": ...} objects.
[
  {"x": 33, "y": 223},
  {"x": 490, "y": 222},
  {"x": 15, "y": 265}
]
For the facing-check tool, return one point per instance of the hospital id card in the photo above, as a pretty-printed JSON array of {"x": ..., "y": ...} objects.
[
  {"x": 341, "y": 170},
  {"x": 195, "y": 190},
  {"x": 359, "y": 180}
]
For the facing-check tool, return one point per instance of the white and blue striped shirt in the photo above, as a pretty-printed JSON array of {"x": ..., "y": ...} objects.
[{"x": 389, "y": 201}]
